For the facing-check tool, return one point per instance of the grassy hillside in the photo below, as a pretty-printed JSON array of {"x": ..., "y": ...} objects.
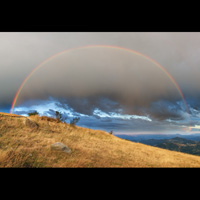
[{"x": 24, "y": 146}]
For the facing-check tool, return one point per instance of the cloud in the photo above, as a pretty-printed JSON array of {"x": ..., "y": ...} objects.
[
  {"x": 162, "y": 110},
  {"x": 111, "y": 80},
  {"x": 105, "y": 78},
  {"x": 118, "y": 122}
]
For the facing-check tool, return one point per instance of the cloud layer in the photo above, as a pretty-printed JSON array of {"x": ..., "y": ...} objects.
[
  {"x": 111, "y": 80},
  {"x": 84, "y": 78},
  {"x": 22, "y": 52}
]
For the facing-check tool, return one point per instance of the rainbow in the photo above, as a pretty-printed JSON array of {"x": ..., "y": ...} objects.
[{"x": 98, "y": 46}]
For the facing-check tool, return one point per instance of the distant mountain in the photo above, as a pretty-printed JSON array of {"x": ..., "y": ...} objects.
[
  {"x": 176, "y": 144},
  {"x": 142, "y": 137}
]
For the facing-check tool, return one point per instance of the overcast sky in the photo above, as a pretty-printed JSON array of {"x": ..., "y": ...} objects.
[{"x": 109, "y": 88}]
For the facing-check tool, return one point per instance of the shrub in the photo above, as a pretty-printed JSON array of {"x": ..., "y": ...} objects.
[
  {"x": 60, "y": 117},
  {"x": 33, "y": 113},
  {"x": 74, "y": 121}
]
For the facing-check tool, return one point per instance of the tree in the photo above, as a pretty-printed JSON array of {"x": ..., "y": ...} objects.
[
  {"x": 74, "y": 121},
  {"x": 111, "y": 132},
  {"x": 60, "y": 117}
]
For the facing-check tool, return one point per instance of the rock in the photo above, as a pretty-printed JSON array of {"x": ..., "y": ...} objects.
[
  {"x": 30, "y": 123},
  {"x": 58, "y": 146}
]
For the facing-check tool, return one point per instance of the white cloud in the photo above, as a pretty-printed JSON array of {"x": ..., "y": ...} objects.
[{"x": 119, "y": 116}]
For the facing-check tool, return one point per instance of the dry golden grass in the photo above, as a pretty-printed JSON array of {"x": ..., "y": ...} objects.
[{"x": 22, "y": 146}]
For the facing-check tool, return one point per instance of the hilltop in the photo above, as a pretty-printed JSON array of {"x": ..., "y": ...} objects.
[{"x": 23, "y": 145}]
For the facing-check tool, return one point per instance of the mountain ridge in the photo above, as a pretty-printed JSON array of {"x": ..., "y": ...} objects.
[
  {"x": 139, "y": 137},
  {"x": 176, "y": 144}
]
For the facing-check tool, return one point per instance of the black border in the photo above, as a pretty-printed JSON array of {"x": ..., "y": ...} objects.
[{"x": 99, "y": 29}]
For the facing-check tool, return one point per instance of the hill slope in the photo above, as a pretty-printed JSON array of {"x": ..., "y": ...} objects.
[{"x": 26, "y": 146}]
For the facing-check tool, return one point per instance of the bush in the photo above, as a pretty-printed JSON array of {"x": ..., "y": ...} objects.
[
  {"x": 60, "y": 117},
  {"x": 74, "y": 121},
  {"x": 33, "y": 113},
  {"x": 111, "y": 132}
]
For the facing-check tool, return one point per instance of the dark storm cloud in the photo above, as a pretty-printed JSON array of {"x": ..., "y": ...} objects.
[
  {"x": 105, "y": 78},
  {"x": 83, "y": 77},
  {"x": 162, "y": 110},
  {"x": 126, "y": 126},
  {"x": 88, "y": 105}
]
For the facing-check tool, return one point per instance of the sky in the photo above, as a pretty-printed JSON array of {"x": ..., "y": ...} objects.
[{"x": 127, "y": 82}]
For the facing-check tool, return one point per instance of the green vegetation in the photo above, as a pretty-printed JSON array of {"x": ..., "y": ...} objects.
[
  {"x": 33, "y": 113},
  {"x": 74, "y": 121},
  {"x": 60, "y": 117}
]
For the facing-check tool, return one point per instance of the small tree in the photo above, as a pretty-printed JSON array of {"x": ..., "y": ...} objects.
[
  {"x": 74, "y": 121},
  {"x": 60, "y": 117},
  {"x": 111, "y": 132}
]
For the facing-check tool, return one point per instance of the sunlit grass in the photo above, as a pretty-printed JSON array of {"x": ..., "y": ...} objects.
[{"x": 22, "y": 146}]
